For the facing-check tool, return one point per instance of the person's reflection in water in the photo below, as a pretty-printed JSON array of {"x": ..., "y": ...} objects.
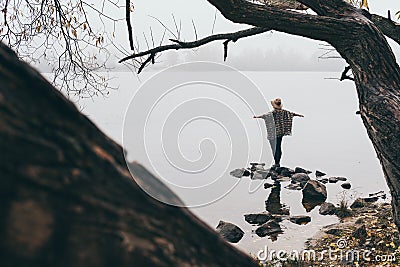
[
  {"x": 274, "y": 206},
  {"x": 273, "y": 203}
]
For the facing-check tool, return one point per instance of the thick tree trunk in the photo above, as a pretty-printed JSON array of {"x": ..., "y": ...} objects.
[
  {"x": 67, "y": 197},
  {"x": 377, "y": 75},
  {"x": 377, "y": 78}
]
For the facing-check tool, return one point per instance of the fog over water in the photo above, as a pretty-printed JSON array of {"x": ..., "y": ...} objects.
[{"x": 203, "y": 125}]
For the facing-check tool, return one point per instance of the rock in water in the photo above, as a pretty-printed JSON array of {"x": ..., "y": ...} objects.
[
  {"x": 301, "y": 170},
  {"x": 346, "y": 185},
  {"x": 300, "y": 219},
  {"x": 260, "y": 175},
  {"x": 294, "y": 186},
  {"x": 314, "y": 194},
  {"x": 68, "y": 198},
  {"x": 303, "y": 184},
  {"x": 258, "y": 218},
  {"x": 238, "y": 173},
  {"x": 323, "y": 180},
  {"x": 269, "y": 228},
  {"x": 300, "y": 177},
  {"x": 319, "y": 173},
  {"x": 333, "y": 180},
  {"x": 284, "y": 171},
  {"x": 327, "y": 209},
  {"x": 314, "y": 191},
  {"x": 229, "y": 231},
  {"x": 268, "y": 185}
]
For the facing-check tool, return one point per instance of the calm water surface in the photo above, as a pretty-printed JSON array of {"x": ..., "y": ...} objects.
[{"x": 330, "y": 138}]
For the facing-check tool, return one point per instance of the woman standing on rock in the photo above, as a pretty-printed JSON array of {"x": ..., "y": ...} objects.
[{"x": 279, "y": 123}]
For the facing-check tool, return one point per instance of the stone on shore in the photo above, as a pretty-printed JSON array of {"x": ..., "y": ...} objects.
[
  {"x": 334, "y": 231},
  {"x": 358, "y": 203},
  {"x": 327, "y": 209},
  {"x": 319, "y": 173},
  {"x": 377, "y": 193},
  {"x": 360, "y": 233},
  {"x": 230, "y": 232},
  {"x": 370, "y": 199}
]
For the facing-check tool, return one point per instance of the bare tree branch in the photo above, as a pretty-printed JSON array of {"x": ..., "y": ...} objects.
[
  {"x": 388, "y": 27},
  {"x": 337, "y": 7},
  {"x": 128, "y": 23},
  {"x": 264, "y": 17},
  {"x": 189, "y": 45},
  {"x": 318, "y": 27}
]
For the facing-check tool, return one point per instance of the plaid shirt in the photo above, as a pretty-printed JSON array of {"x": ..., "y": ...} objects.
[{"x": 279, "y": 123}]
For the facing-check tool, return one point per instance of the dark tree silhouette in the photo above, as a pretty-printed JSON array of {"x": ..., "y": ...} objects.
[{"x": 68, "y": 198}]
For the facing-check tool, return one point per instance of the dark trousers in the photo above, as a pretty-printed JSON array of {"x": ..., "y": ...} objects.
[{"x": 276, "y": 147}]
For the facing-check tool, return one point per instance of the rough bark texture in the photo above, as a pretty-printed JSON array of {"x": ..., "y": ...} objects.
[
  {"x": 377, "y": 77},
  {"x": 67, "y": 198},
  {"x": 359, "y": 38}
]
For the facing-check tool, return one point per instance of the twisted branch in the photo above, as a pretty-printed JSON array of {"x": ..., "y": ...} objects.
[{"x": 228, "y": 37}]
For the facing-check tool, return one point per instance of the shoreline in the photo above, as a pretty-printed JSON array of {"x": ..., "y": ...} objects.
[{"x": 368, "y": 237}]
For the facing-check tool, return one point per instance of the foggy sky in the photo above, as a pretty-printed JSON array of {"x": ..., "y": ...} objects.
[{"x": 269, "y": 51}]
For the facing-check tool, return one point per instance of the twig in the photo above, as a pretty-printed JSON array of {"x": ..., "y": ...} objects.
[
  {"x": 344, "y": 75},
  {"x": 215, "y": 19},
  {"x": 195, "y": 31},
  {"x": 165, "y": 27},
  {"x": 150, "y": 58},
  {"x": 226, "y": 49}
]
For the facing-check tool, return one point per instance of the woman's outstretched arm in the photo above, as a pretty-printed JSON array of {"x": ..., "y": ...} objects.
[{"x": 297, "y": 115}]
